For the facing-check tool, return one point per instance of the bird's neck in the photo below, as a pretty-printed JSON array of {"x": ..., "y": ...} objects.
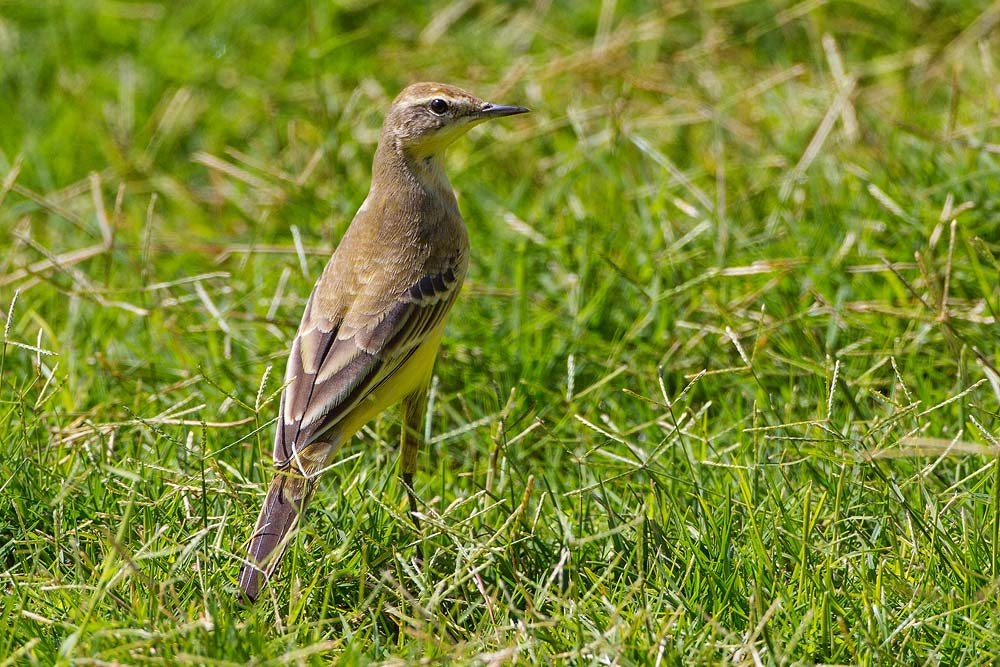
[{"x": 400, "y": 172}]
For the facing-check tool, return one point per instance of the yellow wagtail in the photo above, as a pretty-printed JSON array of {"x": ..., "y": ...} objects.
[{"x": 371, "y": 328}]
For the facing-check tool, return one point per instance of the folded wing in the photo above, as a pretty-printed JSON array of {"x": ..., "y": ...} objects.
[{"x": 332, "y": 367}]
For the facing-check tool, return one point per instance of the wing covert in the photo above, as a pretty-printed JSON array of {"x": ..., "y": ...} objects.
[{"x": 332, "y": 367}]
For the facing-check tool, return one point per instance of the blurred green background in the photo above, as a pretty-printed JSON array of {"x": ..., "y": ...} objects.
[{"x": 721, "y": 387}]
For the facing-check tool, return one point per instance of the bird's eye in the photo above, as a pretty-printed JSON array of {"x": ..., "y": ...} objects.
[{"x": 438, "y": 106}]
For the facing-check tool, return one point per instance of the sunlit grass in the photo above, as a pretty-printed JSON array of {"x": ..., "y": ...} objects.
[{"x": 721, "y": 388}]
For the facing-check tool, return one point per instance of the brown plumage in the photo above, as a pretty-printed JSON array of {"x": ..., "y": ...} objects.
[{"x": 372, "y": 326}]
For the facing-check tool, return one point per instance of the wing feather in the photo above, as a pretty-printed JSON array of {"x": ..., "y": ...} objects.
[{"x": 331, "y": 369}]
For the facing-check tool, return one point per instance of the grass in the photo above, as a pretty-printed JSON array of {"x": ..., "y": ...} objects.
[{"x": 721, "y": 387}]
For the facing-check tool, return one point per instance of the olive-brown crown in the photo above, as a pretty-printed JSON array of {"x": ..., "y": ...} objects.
[{"x": 426, "y": 117}]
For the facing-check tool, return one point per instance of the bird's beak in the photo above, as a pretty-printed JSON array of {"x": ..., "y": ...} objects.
[{"x": 499, "y": 110}]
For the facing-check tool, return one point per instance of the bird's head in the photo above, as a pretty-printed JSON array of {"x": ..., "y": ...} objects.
[{"x": 426, "y": 117}]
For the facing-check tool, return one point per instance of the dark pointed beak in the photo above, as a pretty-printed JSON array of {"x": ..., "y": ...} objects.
[{"x": 499, "y": 110}]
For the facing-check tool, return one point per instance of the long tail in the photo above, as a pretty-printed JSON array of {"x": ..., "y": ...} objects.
[{"x": 286, "y": 499}]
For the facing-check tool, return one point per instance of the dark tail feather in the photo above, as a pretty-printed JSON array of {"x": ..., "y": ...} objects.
[{"x": 286, "y": 499}]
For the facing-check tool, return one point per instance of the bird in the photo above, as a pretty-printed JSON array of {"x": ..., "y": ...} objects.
[{"x": 371, "y": 328}]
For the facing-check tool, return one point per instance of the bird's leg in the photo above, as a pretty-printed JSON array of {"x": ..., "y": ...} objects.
[{"x": 414, "y": 407}]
